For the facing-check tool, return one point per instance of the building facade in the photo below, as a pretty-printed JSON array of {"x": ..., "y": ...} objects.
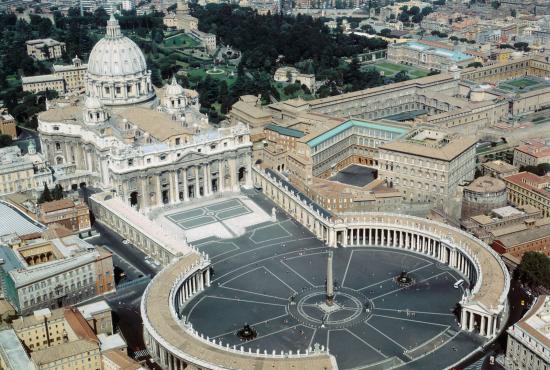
[
  {"x": 36, "y": 84},
  {"x": 534, "y": 238},
  {"x": 428, "y": 165},
  {"x": 73, "y": 215},
  {"x": 526, "y": 188},
  {"x": 23, "y": 172},
  {"x": 152, "y": 150},
  {"x": 53, "y": 273},
  {"x": 421, "y": 54},
  {"x": 181, "y": 19},
  {"x": 7, "y": 124},
  {"x": 73, "y": 74},
  {"x": 528, "y": 346},
  {"x": 482, "y": 195},
  {"x": 59, "y": 339},
  {"x": 45, "y": 49},
  {"x": 532, "y": 153}
]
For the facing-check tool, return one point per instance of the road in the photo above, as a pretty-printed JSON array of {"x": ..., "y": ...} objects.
[{"x": 125, "y": 303}]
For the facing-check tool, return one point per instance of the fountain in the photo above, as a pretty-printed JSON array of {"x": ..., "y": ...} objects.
[
  {"x": 404, "y": 279},
  {"x": 247, "y": 333}
]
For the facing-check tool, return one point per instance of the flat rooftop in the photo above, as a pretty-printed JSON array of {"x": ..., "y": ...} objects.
[
  {"x": 391, "y": 132},
  {"x": 13, "y": 221},
  {"x": 12, "y": 351},
  {"x": 454, "y": 55}
]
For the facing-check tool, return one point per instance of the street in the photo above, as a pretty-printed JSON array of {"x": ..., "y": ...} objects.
[{"x": 125, "y": 303}]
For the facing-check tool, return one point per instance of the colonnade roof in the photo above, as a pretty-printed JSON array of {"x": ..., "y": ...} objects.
[
  {"x": 494, "y": 280},
  {"x": 169, "y": 236},
  {"x": 160, "y": 318}
]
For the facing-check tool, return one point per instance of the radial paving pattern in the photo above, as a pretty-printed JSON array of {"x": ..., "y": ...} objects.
[{"x": 273, "y": 278}]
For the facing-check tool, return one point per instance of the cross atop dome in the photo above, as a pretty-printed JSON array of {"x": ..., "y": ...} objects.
[{"x": 113, "y": 28}]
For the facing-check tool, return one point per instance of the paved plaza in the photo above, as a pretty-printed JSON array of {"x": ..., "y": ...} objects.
[
  {"x": 223, "y": 217},
  {"x": 273, "y": 278},
  {"x": 356, "y": 175}
]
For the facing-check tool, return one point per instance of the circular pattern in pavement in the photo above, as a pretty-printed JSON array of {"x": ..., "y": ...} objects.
[{"x": 349, "y": 307}]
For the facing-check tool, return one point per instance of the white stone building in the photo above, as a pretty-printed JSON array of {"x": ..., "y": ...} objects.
[
  {"x": 117, "y": 71},
  {"x": 23, "y": 172},
  {"x": 149, "y": 147},
  {"x": 45, "y": 49}
]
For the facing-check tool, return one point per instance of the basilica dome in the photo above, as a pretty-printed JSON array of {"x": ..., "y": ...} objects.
[
  {"x": 117, "y": 71},
  {"x": 116, "y": 55}
]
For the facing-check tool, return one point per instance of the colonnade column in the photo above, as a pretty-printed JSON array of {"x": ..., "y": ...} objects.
[
  {"x": 172, "y": 187},
  {"x": 205, "y": 180},
  {"x": 176, "y": 187},
  {"x": 158, "y": 192},
  {"x": 185, "y": 186},
  {"x": 221, "y": 176},
  {"x": 234, "y": 177},
  {"x": 144, "y": 192},
  {"x": 197, "y": 183}
]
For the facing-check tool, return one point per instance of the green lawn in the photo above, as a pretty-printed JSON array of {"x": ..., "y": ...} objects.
[
  {"x": 280, "y": 89},
  {"x": 197, "y": 74},
  {"x": 391, "y": 69},
  {"x": 180, "y": 40},
  {"x": 523, "y": 84},
  {"x": 13, "y": 80}
]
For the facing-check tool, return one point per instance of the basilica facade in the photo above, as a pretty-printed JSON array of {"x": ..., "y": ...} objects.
[{"x": 149, "y": 146}]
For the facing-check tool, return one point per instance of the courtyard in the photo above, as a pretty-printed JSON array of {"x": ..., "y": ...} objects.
[
  {"x": 524, "y": 84},
  {"x": 272, "y": 277},
  {"x": 391, "y": 69},
  {"x": 356, "y": 175},
  {"x": 180, "y": 40}
]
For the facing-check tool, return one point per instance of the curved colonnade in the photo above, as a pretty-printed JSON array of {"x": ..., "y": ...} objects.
[
  {"x": 483, "y": 307},
  {"x": 175, "y": 345}
]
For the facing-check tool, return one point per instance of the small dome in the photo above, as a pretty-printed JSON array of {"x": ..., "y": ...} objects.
[
  {"x": 92, "y": 103},
  {"x": 116, "y": 55},
  {"x": 174, "y": 89}
]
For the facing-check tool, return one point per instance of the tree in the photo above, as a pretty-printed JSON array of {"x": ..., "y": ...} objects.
[
  {"x": 46, "y": 195},
  {"x": 534, "y": 269},
  {"x": 541, "y": 169},
  {"x": 475, "y": 64},
  {"x": 414, "y": 10},
  {"x": 5, "y": 140},
  {"x": 427, "y": 10},
  {"x": 495, "y": 4},
  {"x": 386, "y": 32},
  {"x": 57, "y": 192},
  {"x": 417, "y": 18},
  {"x": 401, "y": 76},
  {"x": 523, "y": 46}
]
